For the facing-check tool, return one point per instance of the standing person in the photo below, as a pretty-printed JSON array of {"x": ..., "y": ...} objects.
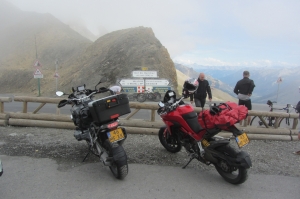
[
  {"x": 115, "y": 90},
  {"x": 244, "y": 89},
  {"x": 201, "y": 92}
]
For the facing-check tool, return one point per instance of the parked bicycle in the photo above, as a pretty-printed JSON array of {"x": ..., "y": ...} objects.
[
  {"x": 271, "y": 121},
  {"x": 154, "y": 96}
]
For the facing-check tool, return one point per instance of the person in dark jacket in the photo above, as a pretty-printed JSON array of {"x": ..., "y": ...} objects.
[
  {"x": 244, "y": 89},
  {"x": 201, "y": 93}
]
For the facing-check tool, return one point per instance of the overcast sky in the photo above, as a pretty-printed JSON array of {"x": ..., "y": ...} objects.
[{"x": 206, "y": 32}]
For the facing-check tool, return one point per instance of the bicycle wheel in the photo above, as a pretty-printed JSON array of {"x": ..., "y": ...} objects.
[
  {"x": 256, "y": 121},
  {"x": 284, "y": 124},
  {"x": 141, "y": 97},
  {"x": 130, "y": 97},
  {"x": 157, "y": 96}
]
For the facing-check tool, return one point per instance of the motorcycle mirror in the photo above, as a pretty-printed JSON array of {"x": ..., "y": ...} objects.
[
  {"x": 161, "y": 105},
  {"x": 59, "y": 93}
]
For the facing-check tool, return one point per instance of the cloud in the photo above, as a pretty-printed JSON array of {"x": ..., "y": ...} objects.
[{"x": 227, "y": 32}]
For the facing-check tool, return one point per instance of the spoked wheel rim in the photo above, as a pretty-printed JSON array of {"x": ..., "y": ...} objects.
[
  {"x": 141, "y": 97},
  {"x": 172, "y": 142},
  {"x": 228, "y": 171}
]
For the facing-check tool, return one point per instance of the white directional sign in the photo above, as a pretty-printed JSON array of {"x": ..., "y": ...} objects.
[
  {"x": 132, "y": 82},
  {"x": 144, "y": 73},
  {"x": 38, "y": 74},
  {"x": 156, "y": 82}
]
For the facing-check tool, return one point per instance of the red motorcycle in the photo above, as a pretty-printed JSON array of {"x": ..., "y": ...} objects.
[{"x": 183, "y": 128}]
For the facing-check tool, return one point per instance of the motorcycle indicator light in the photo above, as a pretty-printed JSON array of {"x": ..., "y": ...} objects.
[{"x": 107, "y": 101}]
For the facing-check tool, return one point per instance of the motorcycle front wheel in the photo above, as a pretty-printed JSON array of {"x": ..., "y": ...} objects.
[
  {"x": 233, "y": 175},
  {"x": 169, "y": 141},
  {"x": 119, "y": 166}
]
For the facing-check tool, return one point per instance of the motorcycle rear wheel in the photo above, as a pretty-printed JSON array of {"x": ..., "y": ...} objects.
[
  {"x": 233, "y": 175},
  {"x": 170, "y": 142},
  {"x": 119, "y": 166}
]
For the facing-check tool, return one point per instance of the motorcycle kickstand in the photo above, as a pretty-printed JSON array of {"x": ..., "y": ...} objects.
[
  {"x": 188, "y": 162},
  {"x": 87, "y": 154}
]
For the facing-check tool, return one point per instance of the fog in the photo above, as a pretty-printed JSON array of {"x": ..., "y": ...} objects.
[{"x": 236, "y": 33}]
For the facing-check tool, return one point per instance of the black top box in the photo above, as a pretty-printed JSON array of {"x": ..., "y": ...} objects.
[{"x": 109, "y": 108}]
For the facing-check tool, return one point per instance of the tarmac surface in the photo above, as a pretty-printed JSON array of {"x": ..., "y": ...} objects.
[{"x": 26, "y": 177}]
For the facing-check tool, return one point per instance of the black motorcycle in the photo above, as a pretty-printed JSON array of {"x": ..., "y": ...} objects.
[{"x": 97, "y": 123}]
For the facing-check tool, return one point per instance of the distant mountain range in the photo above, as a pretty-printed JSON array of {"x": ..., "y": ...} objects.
[
  {"x": 265, "y": 79},
  {"x": 217, "y": 94},
  {"x": 214, "y": 82}
]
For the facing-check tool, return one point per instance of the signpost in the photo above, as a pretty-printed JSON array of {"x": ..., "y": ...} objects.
[
  {"x": 144, "y": 74},
  {"x": 145, "y": 80},
  {"x": 161, "y": 89},
  {"x": 132, "y": 82},
  {"x": 156, "y": 82},
  {"x": 38, "y": 74}
]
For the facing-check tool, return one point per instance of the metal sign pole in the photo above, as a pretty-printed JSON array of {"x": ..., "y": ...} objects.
[
  {"x": 39, "y": 86},
  {"x": 36, "y": 56},
  {"x": 56, "y": 63},
  {"x": 277, "y": 93}
]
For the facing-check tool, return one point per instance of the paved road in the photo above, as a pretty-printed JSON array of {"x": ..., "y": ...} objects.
[{"x": 26, "y": 177}]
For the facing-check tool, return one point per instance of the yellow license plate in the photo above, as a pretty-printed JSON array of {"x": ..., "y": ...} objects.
[
  {"x": 115, "y": 135},
  {"x": 205, "y": 143},
  {"x": 242, "y": 140}
]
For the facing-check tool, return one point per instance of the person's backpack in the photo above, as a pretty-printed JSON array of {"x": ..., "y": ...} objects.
[{"x": 298, "y": 107}]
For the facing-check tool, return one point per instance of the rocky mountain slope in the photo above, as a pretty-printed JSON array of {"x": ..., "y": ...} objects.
[
  {"x": 27, "y": 36},
  {"x": 115, "y": 55}
]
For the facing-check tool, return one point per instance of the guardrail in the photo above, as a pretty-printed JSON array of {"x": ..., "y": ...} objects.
[
  {"x": 3, "y": 116},
  {"x": 136, "y": 125}
]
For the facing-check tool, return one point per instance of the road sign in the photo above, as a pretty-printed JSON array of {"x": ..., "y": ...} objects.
[
  {"x": 132, "y": 82},
  {"x": 144, "y": 73},
  {"x": 38, "y": 74},
  {"x": 161, "y": 89},
  {"x": 56, "y": 75},
  {"x": 156, "y": 82},
  {"x": 130, "y": 89},
  {"x": 140, "y": 89},
  {"x": 279, "y": 80},
  {"x": 37, "y": 64}
]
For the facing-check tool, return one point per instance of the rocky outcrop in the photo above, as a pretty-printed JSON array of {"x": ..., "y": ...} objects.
[{"x": 117, "y": 54}]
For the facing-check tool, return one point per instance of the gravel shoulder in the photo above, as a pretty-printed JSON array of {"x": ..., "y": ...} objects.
[{"x": 268, "y": 157}]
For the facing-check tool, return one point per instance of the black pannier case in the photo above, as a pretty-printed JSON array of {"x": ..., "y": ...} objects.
[{"x": 109, "y": 108}]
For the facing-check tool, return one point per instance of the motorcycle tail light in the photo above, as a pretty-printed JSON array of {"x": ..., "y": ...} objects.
[{"x": 113, "y": 125}]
